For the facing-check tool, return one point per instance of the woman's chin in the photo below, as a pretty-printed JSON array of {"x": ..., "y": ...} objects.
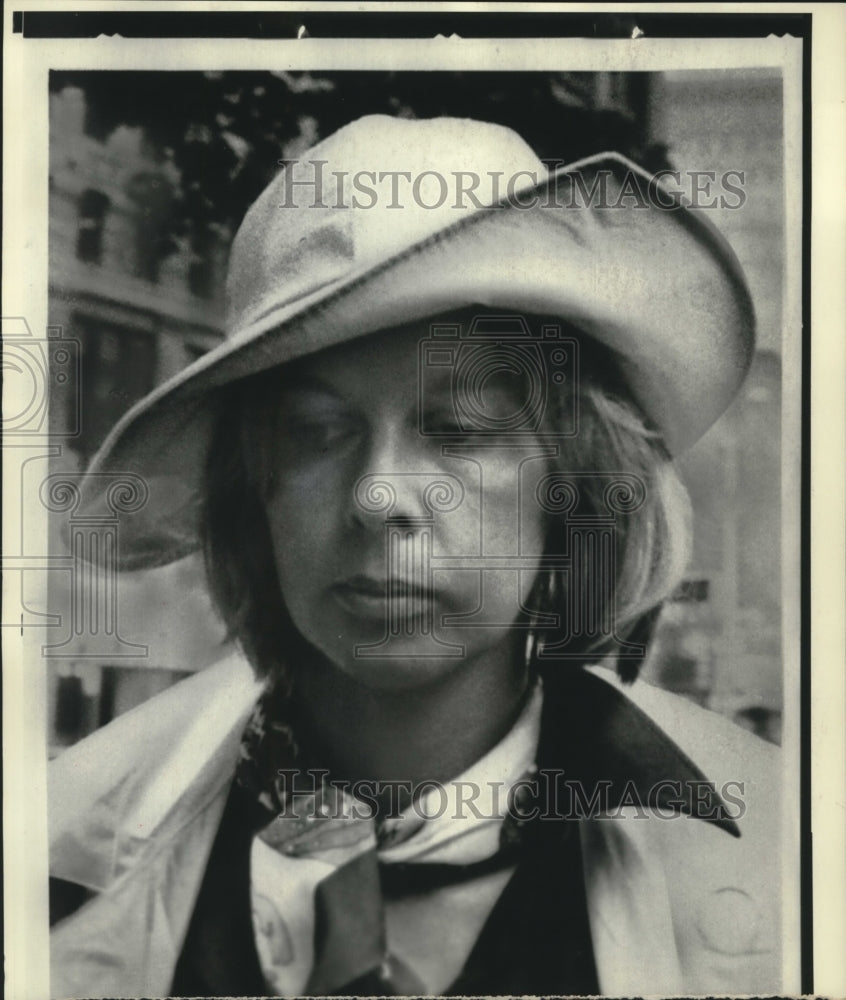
[
  {"x": 381, "y": 658},
  {"x": 402, "y": 663}
]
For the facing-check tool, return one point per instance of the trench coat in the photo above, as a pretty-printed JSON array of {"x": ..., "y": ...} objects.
[{"x": 675, "y": 906}]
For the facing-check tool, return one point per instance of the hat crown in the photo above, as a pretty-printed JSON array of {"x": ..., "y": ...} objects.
[{"x": 364, "y": 194}]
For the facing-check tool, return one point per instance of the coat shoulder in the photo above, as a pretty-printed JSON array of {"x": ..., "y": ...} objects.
[{"x": 139, "y": 779}]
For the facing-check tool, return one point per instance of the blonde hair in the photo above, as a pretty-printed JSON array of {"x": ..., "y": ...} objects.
[{"x": 658, "y": 542}]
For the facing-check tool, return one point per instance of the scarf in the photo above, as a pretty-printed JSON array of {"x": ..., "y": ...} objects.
[{"x": 330, "y": 879}]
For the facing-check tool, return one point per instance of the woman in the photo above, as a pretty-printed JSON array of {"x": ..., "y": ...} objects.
[{"x": 430, "y": 471}]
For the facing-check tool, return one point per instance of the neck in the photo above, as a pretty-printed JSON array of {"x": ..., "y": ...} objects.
[{"x": 431, "y": 733}]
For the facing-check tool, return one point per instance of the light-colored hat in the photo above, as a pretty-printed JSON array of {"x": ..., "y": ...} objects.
[{"x": 389, "y": 221}]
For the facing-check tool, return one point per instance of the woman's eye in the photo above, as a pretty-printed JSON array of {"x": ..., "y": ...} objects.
[
  {"x": 321, "y": 434},
  {"x": 312, "y": 425},
  {"x": 448, "y": 430}
]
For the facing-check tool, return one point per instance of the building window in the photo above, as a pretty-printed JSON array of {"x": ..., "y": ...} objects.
[
  {"x": 93, "y": 206},
  {"x": 118, "y": 368},
  {"x": 201, "y": 271},
  {"x": 201, "y": 277},
  {"x": 152, "y": 196}
]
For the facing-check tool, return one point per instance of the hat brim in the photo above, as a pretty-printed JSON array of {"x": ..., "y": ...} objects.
[{"x": 659, "y": 287}]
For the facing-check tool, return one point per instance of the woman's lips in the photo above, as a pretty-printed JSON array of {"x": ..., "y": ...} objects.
[{"x": 370, "y": 598}]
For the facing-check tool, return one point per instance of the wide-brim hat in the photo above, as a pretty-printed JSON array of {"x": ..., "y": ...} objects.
[{"x": 391, "y": 220}]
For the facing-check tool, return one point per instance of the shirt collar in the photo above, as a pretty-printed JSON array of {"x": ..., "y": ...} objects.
[{"x": 466, "y": 812}]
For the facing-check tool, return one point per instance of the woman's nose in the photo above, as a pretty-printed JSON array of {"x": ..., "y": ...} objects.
[{"x": 398, "y": 480}]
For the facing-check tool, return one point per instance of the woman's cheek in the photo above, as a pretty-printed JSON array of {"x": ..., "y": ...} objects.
[
  {"x": 458, "y": 533},
  {"x": 302, "y": 520}
]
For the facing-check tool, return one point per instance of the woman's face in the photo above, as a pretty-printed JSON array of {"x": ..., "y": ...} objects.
[{"x": 405, "y": 544}]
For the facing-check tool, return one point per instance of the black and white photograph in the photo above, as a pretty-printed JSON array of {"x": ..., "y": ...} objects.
[{"x": 407, "y": 449}]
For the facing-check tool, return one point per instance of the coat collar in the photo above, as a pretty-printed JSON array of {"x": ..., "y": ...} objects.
[{"x": 617, "y": 755}]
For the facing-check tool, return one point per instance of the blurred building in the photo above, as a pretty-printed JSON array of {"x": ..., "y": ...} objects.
[
  {"x": 142, "y": 310},
  {"x": 721, "y": 642},
  {"x": 138, "y": 316}
]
